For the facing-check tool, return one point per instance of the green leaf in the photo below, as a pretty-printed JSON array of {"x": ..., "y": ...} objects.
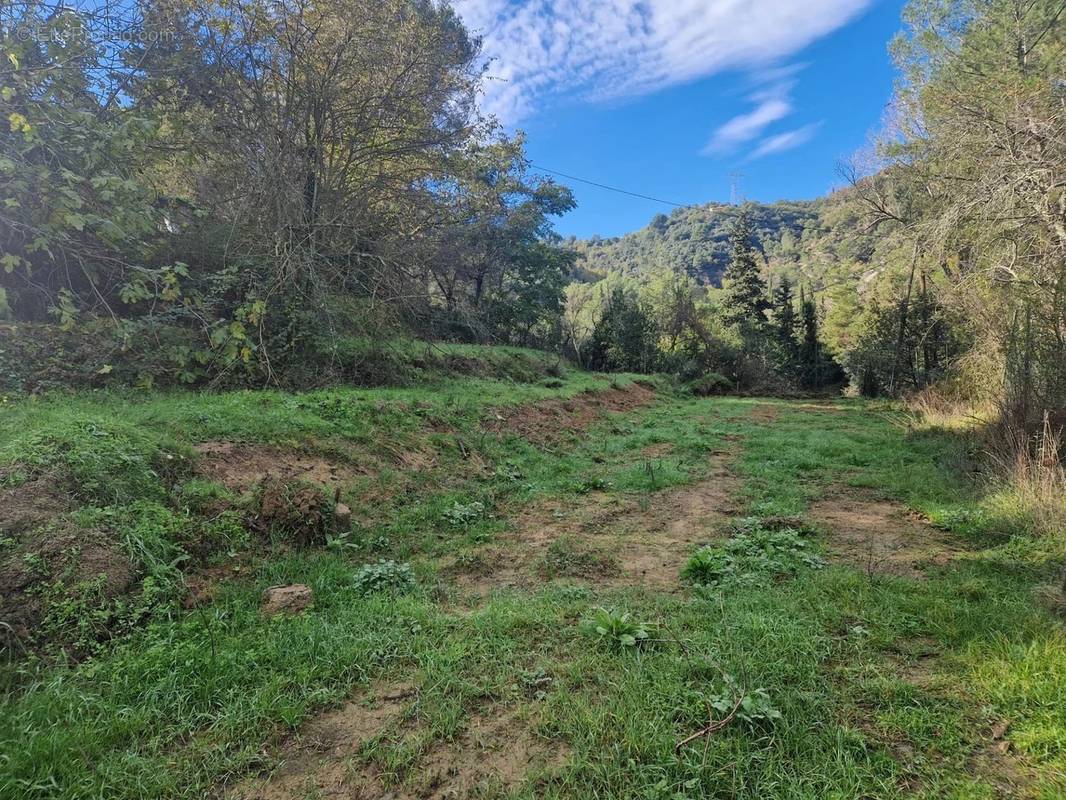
[{"x": 10, "y": 262}]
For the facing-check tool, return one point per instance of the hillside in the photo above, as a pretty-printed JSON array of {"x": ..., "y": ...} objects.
[{"x": 696, "y": 239}]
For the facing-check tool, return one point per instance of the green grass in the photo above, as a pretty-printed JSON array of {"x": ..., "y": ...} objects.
[{"x": 886, "y": 686}]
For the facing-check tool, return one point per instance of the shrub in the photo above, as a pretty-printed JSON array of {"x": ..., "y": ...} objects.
[{"x": 710, "y": 384}]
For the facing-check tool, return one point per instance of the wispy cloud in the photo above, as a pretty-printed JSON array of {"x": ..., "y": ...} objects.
[
  {"x": 788, "y": 140},
  {"x": 771, "y": 105},
  {"x": 542, "y": 50}
]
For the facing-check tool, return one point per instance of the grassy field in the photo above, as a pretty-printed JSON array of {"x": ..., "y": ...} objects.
[{"x": 546, "y": 588}]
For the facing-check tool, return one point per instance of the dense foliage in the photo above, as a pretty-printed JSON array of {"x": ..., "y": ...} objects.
[{"x": 244, "y": 185}]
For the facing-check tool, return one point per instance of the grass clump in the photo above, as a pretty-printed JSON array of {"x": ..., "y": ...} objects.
[
  {"x": 753, "y": 557},
  {"x": 104, "y": 462}
]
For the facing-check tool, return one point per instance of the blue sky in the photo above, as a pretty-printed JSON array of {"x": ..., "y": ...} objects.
[{"x": 669, "y": 97}]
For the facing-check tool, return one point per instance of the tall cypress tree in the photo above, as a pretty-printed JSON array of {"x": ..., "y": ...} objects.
[
  {"x": 785, "y": 322},
  {"x": 745, "y": 289},
  {"x": 810, "y": 347}
]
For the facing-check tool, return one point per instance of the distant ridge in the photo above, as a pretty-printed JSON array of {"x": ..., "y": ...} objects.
[{"x": 694, "y": 239}]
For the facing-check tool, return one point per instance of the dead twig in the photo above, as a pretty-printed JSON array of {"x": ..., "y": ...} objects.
[{"x": 713, "y": 727}]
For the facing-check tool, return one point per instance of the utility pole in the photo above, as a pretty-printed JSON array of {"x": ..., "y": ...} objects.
[{"x": 736, "y": 193}]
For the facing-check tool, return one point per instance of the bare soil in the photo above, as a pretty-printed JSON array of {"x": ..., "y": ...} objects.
[
  {"x": 240, "y": 466},
  {"x": 649, "y": 538},
  {"x": 549, "y": 421},
  {"x": 495, "y": 752},
  {"x": 880, "y": 537},
  {"x": 764, "y": 414}
]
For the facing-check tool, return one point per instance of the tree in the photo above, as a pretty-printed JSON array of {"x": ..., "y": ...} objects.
[
  {"x": 785, "y": 322},
  {"x": 979, "y": 136},
  {"x": 625, "y": 337},
  {"x": 746, "y": 301}
]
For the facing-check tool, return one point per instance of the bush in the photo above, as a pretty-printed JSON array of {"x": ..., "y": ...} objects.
[{"x": 709, "y": 385}]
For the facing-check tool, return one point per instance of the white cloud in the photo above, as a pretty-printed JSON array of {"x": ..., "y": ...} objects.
[
  {"x": 781, "y": 142},
  {"x": 608, "y": 49},
  {"x": 745, "y": 127}
]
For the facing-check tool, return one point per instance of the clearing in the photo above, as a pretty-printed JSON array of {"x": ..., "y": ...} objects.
[{"x": 545, "y": 588}]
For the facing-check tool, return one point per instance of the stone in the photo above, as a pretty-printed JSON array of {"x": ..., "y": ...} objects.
[
  {"x": 342, "y": 517},
  {"x": 285, "y": 599}
]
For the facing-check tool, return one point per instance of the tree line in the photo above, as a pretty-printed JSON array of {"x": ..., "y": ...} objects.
[
  {"x": 228, "y": 188},
  {"x": 239, "y": 190}
]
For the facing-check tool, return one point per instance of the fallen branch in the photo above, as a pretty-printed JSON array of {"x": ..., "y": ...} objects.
[{"x": 712, "y": 728}]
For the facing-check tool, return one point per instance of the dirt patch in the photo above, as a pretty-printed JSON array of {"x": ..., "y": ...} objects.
[
  {"x": 66, "y": 560},
  {"x": 549, "y": 421},
  {"x": 764, "y": 414},
  {"x": 31, "y": 505},
  {"x": 828, "y": 408},
  {"x": 658, "y": 450},
  {"x": 240, "y": 466},
  {"x": 494, "y": 753},
  {"x": 880, "y": 537},
  {"x": 646, "y": 540}
]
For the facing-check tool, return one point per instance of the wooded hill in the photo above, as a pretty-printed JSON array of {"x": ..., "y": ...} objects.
[{"x": 695, "y": 240}]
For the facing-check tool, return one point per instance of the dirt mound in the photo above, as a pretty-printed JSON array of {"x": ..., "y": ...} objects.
[
  {"x": 31, "y": 505},
  {"x": 44, "y": 553},
  {"x": 240, "y": 466},
  {"x": 880, "y": 537},
  {"x": 494, "y": 753},
  {"x": 64, "y": 560},
  {"x": 648, "y": 539},
  {"x": 550, "y": 420}
]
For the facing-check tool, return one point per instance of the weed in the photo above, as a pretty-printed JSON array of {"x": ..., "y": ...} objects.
[
  {"x": 342, "y": 542},
  {"x": 754, "y": 706},
  {"x": 460, "y": 515},
  {"x": 753, "y": 556},
  {"x": 591, "y": 484},
  {"x": 384, "y": 576},
  {"x": 616, "y": 629}
]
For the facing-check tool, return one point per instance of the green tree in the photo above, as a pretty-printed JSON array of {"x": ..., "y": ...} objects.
[
  {"x": 625, "y": 336},
  {"x": 746, "y": 300},
  {"x": 785, "y": 322}
]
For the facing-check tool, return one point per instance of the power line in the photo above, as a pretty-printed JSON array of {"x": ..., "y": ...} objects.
[{"x": 609, "y": 188}]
